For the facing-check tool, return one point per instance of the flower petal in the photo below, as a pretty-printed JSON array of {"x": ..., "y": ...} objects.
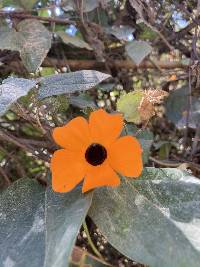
[
  {"x": 104, "y": 127},
  {"x": 125, "y": 156},
  {"x": 74, "y": 135},
  {"x": 100, "y": 176},
  {"x": 68, "y": 169}
]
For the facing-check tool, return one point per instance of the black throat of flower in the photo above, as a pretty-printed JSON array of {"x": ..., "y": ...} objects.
[{"x": 95, "y": 154}]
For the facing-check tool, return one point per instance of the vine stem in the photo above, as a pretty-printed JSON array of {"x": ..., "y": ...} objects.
[
  {"x": 22, "y": 15},
  {"x": 93, "y": 247}
]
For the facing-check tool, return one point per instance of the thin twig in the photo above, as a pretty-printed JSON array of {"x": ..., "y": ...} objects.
[
  {"x": 189, "y": 100},
  {"x": 175, "y": 164},
  {"x": 5, "y": 136},
  {"x": 164, "y": 163},
  {"x": 195, "y": 142},
  {"x": 95, "y": 250}
]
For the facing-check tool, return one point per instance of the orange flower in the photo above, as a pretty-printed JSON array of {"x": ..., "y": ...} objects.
[{"x": 94, "y": 151}]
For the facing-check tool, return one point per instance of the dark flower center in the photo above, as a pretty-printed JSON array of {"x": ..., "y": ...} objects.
[{"x": 95, "y": 154}]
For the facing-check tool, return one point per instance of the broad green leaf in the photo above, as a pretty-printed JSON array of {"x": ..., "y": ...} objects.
[
  {"x": 82, "y": 101},
  {"x": 128, "y": 104},
  {"x": 37, "y": 43},
  {"x": 138, "y": 50},
  {"x": 176, "y": 103},
  {"x": 39, "y": 227},
  {"x": 153, "y": 220},
  {"x": 10, "y": 39},
  {"x": 73, "y": 40},
  {"x": 32, "y": 41},
  {"x": 11, "y": 89},
  {"x": 145, "y": 138},
  {"x": 68, "y": 83},
  {"x": 177, "y": 106}
]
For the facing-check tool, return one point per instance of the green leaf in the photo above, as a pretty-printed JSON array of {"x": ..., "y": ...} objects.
[
  {"x": 37, "y": 43},
  {"x": 73, "y": 40},
  {"x": 146, "y": 33},
  {"x": 176, "y": 103},
  {"x": 145, "y": 138},
  {"x": 68, "y": 83},
  {"x": 153, "y": 220},
  {"x": 88, "y": 5},
  {"x": 32, "y": 41},
  {"x": 26, "y": 4},
  {"x": 44, "y": 12},
  {"x": 38, "y": 226},
  {"x": 11, "y": 90},
  {"x": 10, "y": 39},
  {"x": 128, "y": 104},
  {"x": 177, "y": 106},
  {"x": 138, "y": 50},
  {"x": 82, "y": 101}
]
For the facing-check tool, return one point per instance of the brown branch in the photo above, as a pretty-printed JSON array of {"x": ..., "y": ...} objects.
[
  {"x": 165, "y": 163},
  {"x": 127, "y": 64},
  {"x": 175, "y": 164},
  {"x": 16, "y": 66},
  {"x": 38, "y": 143},
  {"x": 5, "y": 136},
  {"x": 22, "y": 15},
  {"x": 11, "y": 156},
  {"x": 5, "y": 176}
]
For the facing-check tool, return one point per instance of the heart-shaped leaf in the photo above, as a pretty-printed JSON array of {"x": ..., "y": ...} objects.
[
  {"x": 154, "y": 220},
  {"x": 32, "y": 41},
  {"x": 73, "y": 40},
  {"x": 129, "y": 104},
  {"x": 138, "y": 50},
  {"x": 36, "y": 45},
  {"x": 38, "y": 226}
]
